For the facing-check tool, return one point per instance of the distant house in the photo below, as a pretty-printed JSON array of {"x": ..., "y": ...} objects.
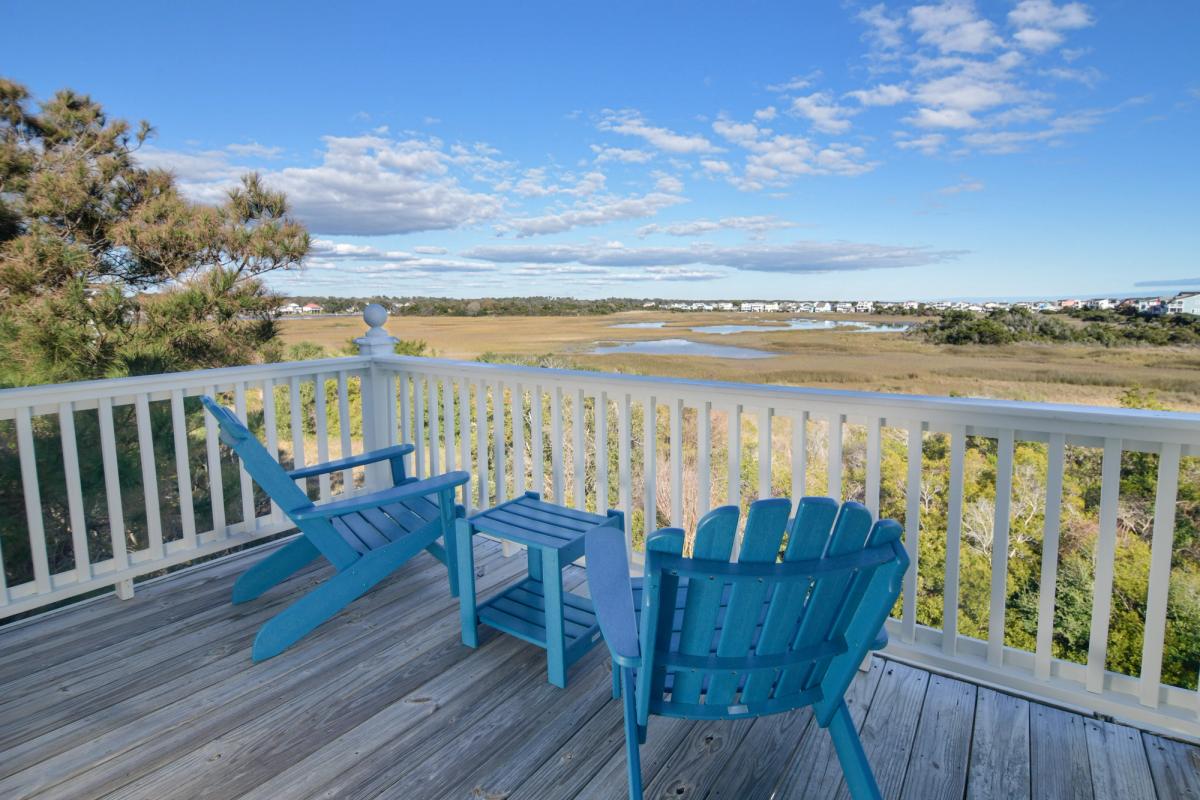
[
  {"x": 760, "y": 308},
  {"x": 291, "y": 308},
  {"x": 312, "y": 308},
  {"x": 1184, "y": 303},
  {"x": 844, "y": 308},
  {"x": 1100, "y": 303},
  {"x": 911, "y": 305},
  {"x": 649, "y": 304},
  {"x": 1069, "y": 303},
  {"x": 1150, "y": 305},
  {"x": 865, "y": 306}
]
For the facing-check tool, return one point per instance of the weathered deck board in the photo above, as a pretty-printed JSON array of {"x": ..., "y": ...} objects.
[
  {"x": 1000, "y": 748},
  {"x": 158, "y": 697}
]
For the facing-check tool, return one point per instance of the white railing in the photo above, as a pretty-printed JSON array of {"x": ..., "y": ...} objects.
[
  {"x": 82, "y": 456},
  {"x": 580, "y": 438}
]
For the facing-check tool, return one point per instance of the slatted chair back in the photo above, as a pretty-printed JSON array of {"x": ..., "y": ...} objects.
[
  {"x": 274, "y": 480},
  {"x": 758, "y": 635}
]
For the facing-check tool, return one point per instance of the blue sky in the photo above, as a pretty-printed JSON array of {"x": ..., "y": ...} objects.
[{"x": 776, "y": 150}]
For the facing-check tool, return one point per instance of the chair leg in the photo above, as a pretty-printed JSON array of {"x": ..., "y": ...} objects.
[
  {"x": 274, "y": 569},
  {"x": 324, "y": 602},
  {"x": 632, "y": 756},
  {"x": 616, "y": 680},
  {"x": 859, "y": 778},
  {"x": 449, "y": 516}
]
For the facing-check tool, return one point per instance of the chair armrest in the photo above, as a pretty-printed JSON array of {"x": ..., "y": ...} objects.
[
  {"x": 612, "y": 592},
  {"x": 441, "y": 483},
  {"x": 370, "y": 457}
]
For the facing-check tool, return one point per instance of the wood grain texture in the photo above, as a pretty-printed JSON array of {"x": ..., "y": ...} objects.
[
  {"x": 385, "y": 701},
  {"x": 999, "y": 768},
  {"x": 938, "y": 766}
]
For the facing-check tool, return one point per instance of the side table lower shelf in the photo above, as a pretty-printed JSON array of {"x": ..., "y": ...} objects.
[{"x": 520, "y": 611}]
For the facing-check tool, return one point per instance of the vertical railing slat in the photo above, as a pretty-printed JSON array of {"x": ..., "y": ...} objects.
[
  {"x": 703, "y": 458},
  {"x": 764, "y": 453},
  {"x": 269, "y": 422},
  {"x": 402, "y": 398},
  {"x": 1106, "y": 547},
  {"x": 183, "y": 466},
  {"x": 600, "y": 409},
  {"x": 556, "y": 444},
  {"x": 418, "y": 403},
  {"x": 537, "y": 447},
  {"x": 347, "y": 443},
  {"x": 390, "y": 380},
  {"x": 154, "y": 530},
  {"x": 447, "y": 388},
  {"x": 481, "y": 444},
  {"x": 33, "y": 501},
  {"x": 1052, "y": 522},
  {"x": 212, "y": 449},
  {"x": 734, "y": 456},
  {"x": 464, "y": 432},
  {"x": 296, "y": 425},
  {"x": 954, "y": 517},
  {"x": 580, "y": 478},
  {"x": 499, "y": 470},
  {"x": 912, "y": 530},
  {"x": 1161, "y": 550},
  {"x": 435, "y": 432},
  {"x": 650, "y": 463},
  {"x": 625, "y": 466},
  {"x": 321, "y": 420},
  {"x": 518, "y": 432},
  {"x": 874, "y": 464},
  {"x": 70, "y": 451},
  {"x": 676, "y": 445},
  {"x": 999, "y": 595},
  {"x": 799, "y": 457},
  {"x": 834, "y": 465}
]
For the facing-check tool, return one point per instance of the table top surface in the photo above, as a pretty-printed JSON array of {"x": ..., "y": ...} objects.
[{"x": 531, "y": 521}]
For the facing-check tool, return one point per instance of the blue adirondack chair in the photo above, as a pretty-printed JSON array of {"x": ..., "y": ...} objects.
[
  {"x": 704, "y": 638},
  {"x": 365, "y": 537}
]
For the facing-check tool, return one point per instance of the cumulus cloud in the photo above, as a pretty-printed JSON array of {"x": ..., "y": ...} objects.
[
  {"x": 766, "y": 114},
  {"x": 716, "y": 166},
  {"x": 777, "y": 159},
  {"x": 349, "y": 258},
  {"x": 631, "y": 123},
  {"x": 754, "y": 225},
  {"x": 796, "y": 257},
  {"x": 255, "y": 149},
  {"x": 1040, "y": 23},
  {"x": 885, "y": 94},
  {"x": 953, "y": 26},
  {"x": 824, "y": 114},
  {"x": 621, "y": 154},
  {"x": 533, "y": 183},
  {"x": 596, "y": 211},
  {"x": 363, "y": 185},
  {"x": 928, "y": 144}
]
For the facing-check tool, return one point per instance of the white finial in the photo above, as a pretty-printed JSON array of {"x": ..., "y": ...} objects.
[{"x": 377, "y": 342}]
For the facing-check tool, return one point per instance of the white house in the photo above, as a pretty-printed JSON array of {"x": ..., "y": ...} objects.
[
  {"x": 865, "y": 306},
  {"x": 1184, "y": 303},
  {"x": 291, "y": 308},
  {"x": 312, "y": 308},
  {"x": 844, "y": 308}
]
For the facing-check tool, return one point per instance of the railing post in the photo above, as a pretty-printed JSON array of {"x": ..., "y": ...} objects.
[{"x": 377, "y": 342}]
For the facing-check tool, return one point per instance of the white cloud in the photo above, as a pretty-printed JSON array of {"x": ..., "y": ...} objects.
[
  {"x": 255, "y": 149},
  {"x": 766, "y": 114},
  {"x": 364, "y": 185},
  {"x": 942, "y": 118},
  {"x": 533, "y": 184},
  {"x": 793, "y": 258},
  {"x": 622, "y": 154},
  {"x": 430, "y": 251},
  {"x": 716, "y": 166},
  {"x": 755, "y": 225},
  {"x": 598, "y": 211},
  {"x": 967, "y": 184},
  {"x": 884, "y": 94},
  {"x": 929, "y": 144},
  {"x": 1040, "y": 23},
  {"x": 631, "y": 123},
  {"x": 792, "y": 85},
  {"x": 884, "y": 32},
  {"x": 775, "y": 160},
  {"x": 665, "y": 182},
  {"x": 953, "y": 26},
  {"x": 824, "y": 114}
]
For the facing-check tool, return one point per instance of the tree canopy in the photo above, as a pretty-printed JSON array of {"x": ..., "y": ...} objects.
[{"x": 107, "y": 270}]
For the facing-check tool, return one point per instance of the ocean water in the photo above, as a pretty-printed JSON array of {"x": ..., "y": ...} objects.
[{"x": 680, "y": 347}]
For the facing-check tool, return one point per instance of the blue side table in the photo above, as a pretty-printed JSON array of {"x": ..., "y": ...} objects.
[{"x": 535, "y": 609}]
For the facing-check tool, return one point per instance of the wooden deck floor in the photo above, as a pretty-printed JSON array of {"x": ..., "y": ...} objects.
[{"x": 157, "y": 698}]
